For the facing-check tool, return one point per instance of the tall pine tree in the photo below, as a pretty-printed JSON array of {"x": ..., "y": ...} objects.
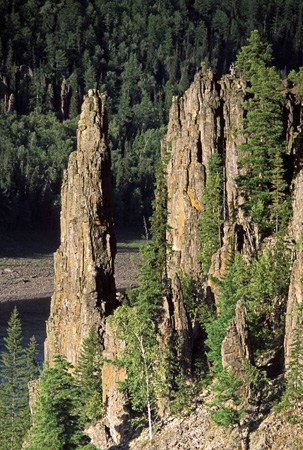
[
  {"x": 88, "y": 376},
  {"x": 16, "y": 365},
  {"x": 293, "y": 396},
  {"x": 57, "y": 422},
  {"x": 261, "y": 179}
]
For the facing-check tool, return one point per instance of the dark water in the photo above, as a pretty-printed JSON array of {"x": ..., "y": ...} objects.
[{"x": 33, "y": 314}]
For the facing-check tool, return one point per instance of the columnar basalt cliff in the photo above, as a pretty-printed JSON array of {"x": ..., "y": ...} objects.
[{"x": 84, "y": 263}]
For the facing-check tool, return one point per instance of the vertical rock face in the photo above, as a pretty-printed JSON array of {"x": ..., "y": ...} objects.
[
  {"x": 116, "y": 419},
  {"x": 236, "y": 346},
  {"x": 295, "y": 296},
  {"x": 204, "y": 121},
  {"x": 84, "y": 272},
  {"x": 192, "y": 136},
  {"x": 207, "y": 119},
  {"x": 236, "y": 349}
]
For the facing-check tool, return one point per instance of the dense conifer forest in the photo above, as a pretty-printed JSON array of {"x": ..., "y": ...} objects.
[{"x": 140, "y": 53}]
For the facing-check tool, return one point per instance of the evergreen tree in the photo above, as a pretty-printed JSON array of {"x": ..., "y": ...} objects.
[
  {"x": 261, "y": 179},
  {"x": 140, "y": 56},
  {"x": 297, "y": 80},
  {"x": 31, "y": 354},
  {"x": 14, "y": 409},
  {"x": 151, "y": 273},
  {"x": 267, "y": 285},
  {"x": 280, "y": 204},
  {"x": 159, "y": 222},
  {"x": 232, "y": 288},
  {"x": 254, "y": 55},
  {"x": 89, "y": 377},
  {"x": 57, "y": 423},
  {"x": 136, "y": 323},
  {"x": 225, "y": 409},
  {"x": 212, "y": 218}
]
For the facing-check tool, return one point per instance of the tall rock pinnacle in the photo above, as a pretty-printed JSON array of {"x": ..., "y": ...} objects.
[{"x": 84, "y": 263}]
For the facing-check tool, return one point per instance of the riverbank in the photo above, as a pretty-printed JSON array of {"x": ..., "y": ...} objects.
[
  {"x": 26, "y": 264},
  {"x": 27, "y": 278}
]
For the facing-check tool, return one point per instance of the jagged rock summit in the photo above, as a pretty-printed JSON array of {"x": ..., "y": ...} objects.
[
  {"x": 206, "y": 120},
  {"x": 84, "y": 263}
]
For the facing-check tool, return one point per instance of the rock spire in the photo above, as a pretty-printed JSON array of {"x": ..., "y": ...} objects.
[{"x": 84, "y": 263}]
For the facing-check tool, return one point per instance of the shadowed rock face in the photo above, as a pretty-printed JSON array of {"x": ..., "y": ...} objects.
[
  {"x": 295, "y": 295},
  {"x": 236, "y": 346},
  {"x": 84, "y": 263}
]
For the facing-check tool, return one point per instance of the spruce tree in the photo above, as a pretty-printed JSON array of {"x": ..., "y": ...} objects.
[
  {"x": 225, "y": 409},
  {"x": 136, "y": 322},
  {"x": 151, "y": 273},
  {"x": 212, "y": 218},
  {"x": 297, "y": 80},
  {"x": 88, "y": 376},
  {"x": 232, "y": 288},
  {"x": 57, "y": 423},
  {"x": 255, "y": 54},
  {"x": 14, "y": 409},
  {"x": 261, "y": 180},
  {"x": 31, "y": 354},
  {"x": 159, "y": 221}
]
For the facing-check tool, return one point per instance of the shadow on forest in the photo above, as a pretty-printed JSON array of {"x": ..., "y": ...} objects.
[{"x": 28, "y": 244}]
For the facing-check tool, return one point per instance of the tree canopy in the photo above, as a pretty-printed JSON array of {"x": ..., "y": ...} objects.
[{"x": 140, "y": 54}]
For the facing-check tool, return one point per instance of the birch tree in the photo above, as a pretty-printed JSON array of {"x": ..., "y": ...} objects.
[{"x": 143, "y": 362}]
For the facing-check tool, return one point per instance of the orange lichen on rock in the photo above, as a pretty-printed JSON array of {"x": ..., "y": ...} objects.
[{"x": 193, "y": 201}]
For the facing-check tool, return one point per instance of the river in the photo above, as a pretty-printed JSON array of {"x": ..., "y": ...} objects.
[
  {"x": 26, "y": 280},
  {"x": 33, "y": 314}
]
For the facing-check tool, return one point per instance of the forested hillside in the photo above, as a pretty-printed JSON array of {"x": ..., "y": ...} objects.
[{"x": 140, "y": 53}]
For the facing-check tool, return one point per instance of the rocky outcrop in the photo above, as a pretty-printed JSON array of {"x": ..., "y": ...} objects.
[
  {"x": 295, "y": 297},
  {"x": 194, "y": 432},
  {"x": 197, "y": 432},
  {"x": 115, "y": 425},
  {"x": 64, "y": 98},
  {"x": 295, "y": 148},
  {"x": 84, "y": 263},
  {"x": 236, "y": 348},
  {"x": 116, "y": 419},
  {"x": 193, "y": 134},
  {"x": 278, "y": 433},
  {"x": 205, "y": 120}
]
